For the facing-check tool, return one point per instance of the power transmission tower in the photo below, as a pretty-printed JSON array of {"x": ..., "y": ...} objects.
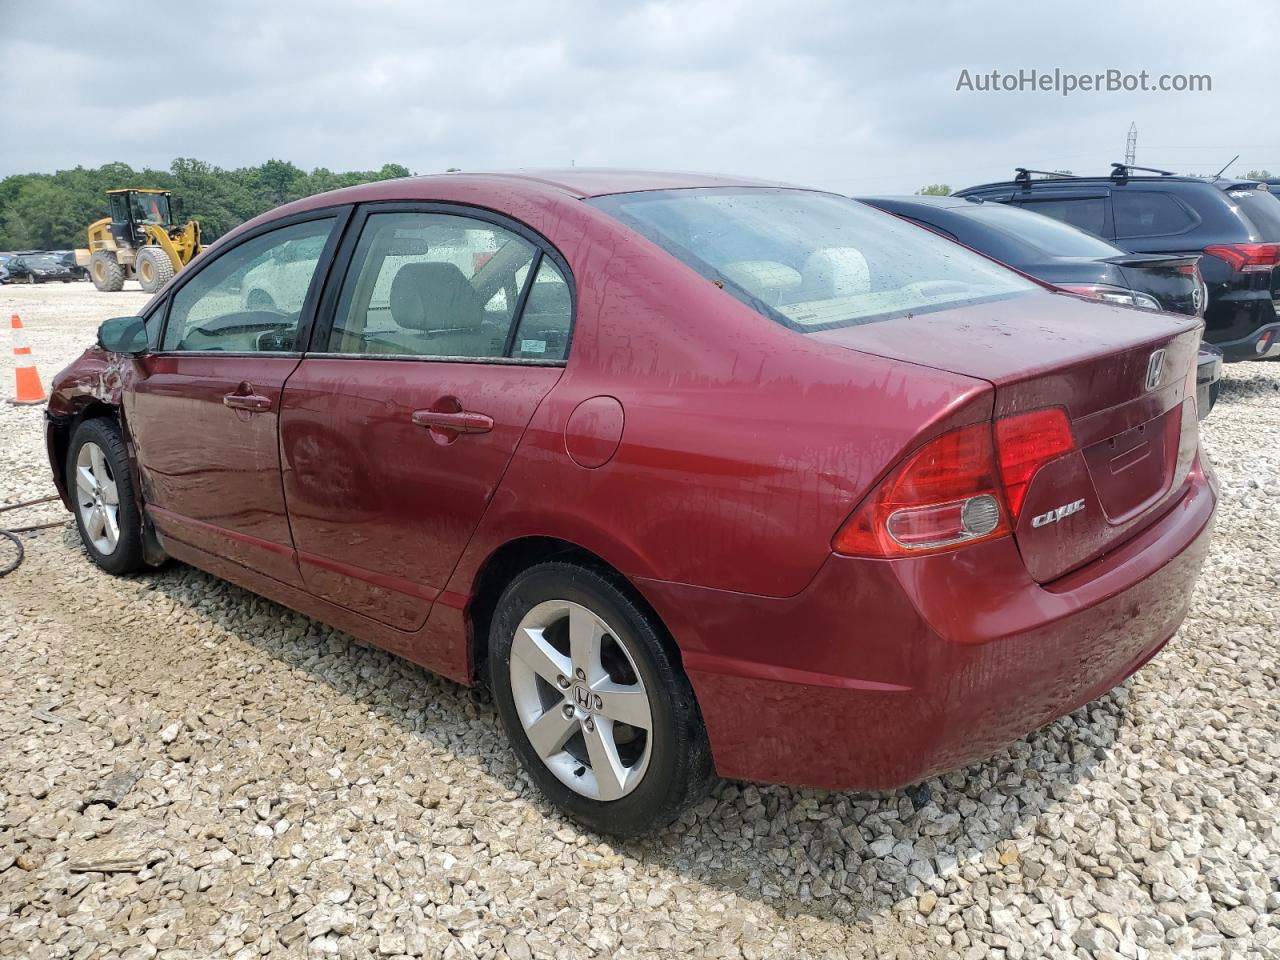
[{"x": 1131, "y": 145}]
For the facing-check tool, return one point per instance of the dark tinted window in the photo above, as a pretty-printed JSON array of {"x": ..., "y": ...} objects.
[
  {"x": 1087, "y": 213},
  {"x": 1262, "y": 209},
  {"x": 1145, "y": 213},
  {"x": 1046, "y": 234}
]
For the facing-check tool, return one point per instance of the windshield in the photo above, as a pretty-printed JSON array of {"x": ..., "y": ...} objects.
[
  {"x": 41, "y": 261},
  {"x": 1049, "y": 236},
  {"x": 150, "y": 208},
  {"x": 812, "y": 261}
]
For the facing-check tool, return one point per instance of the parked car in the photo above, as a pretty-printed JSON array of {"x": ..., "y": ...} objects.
[
  {"x": 38, "y": 268},
  {"x": 1234, "y": 224},
  {"x": 1072, "y": 260},
  {"x": 741, "y": 478},
  {"x": 68, "y": 259}
]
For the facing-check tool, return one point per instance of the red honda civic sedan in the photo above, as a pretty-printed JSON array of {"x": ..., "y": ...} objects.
[{"x": 697, "y": 474}]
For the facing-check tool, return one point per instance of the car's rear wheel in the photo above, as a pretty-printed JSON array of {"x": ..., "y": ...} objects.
[
  {"x": 595, "y": 703},
  {"x": 106, "y": 513}
]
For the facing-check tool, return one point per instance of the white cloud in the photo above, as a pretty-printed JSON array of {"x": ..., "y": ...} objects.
[{"x": 856, "y": 98}]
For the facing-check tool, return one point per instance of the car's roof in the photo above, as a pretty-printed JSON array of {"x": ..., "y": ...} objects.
[
  {"x": 601, "y": 181},
  {"x": 943, "y": 203}
]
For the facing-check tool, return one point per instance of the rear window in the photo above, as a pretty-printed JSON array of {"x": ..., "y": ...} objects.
[
  {"x": 1047, "y": 235},
  {"x": 1263, "y": 210},
  {"x": 812, "y": 261}
]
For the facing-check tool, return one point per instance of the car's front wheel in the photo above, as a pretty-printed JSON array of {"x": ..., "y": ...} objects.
[
  {"x": 106, "y": 512},
  {"x": 595, "y": 702}
]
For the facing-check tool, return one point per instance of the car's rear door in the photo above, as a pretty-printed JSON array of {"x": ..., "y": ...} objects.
[
  {"x": 203, "y": 411},
  {"x": 435, "y": 345}
]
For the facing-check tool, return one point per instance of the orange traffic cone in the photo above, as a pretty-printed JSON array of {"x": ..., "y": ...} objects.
[{"x": 29, "y": 388}]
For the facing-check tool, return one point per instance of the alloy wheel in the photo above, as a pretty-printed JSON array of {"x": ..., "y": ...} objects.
[
  {"x": 581, "y": 700},
  {"x": 97, "y": 498}
]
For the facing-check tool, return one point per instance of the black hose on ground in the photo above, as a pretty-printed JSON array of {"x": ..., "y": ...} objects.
[{"x": 12, "y": 533}]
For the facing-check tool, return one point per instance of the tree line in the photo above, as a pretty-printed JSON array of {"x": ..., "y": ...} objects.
[{"x": 40, "y": 211}]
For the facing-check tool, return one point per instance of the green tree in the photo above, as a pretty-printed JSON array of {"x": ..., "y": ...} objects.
[
  {"x": 1258, "y": 175},
  {"x": 934, "y": 190},
  {"x": 52, "y": 210}
]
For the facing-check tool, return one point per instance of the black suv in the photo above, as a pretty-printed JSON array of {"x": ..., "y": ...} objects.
[{"x": 1233, "y": 224}]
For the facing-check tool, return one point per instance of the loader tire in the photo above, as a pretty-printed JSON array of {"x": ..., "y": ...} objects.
[
  {"x": 153, "y": 268},
  {"x": 106, "y": 272}
]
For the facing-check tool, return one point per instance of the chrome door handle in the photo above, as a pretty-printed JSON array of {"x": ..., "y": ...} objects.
[
  {"x": 461, "y": 421},
  {"x": 246, "y": 401}
]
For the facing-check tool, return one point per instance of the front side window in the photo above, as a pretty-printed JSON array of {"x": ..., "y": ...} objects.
[
  {"x": 812, "y": 261},
  {"x": 431, "y": 285},
  {"x": 250, "y": 299}
]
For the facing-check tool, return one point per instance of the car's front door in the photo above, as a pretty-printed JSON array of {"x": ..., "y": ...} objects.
[
  {"x": 426, "y": 367},
  {"x": 203, "y": 412}
]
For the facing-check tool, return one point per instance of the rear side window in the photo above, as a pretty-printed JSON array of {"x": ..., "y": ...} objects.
[
  {"x": 1263, "y": 210},
  {"x": 812, "y": 261},
  {"x": 431, "y": 285},
  {"x": 1085, "y": 213},
  {"x": 1048, "y": 235},
  {"x": 1146, "y": 213},
  {"x": 544, "y": 323}
]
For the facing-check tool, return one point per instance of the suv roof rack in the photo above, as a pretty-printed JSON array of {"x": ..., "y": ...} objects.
[
  {"x": 1120, "y": 171},
  {"x": 1023, "y": 175}
]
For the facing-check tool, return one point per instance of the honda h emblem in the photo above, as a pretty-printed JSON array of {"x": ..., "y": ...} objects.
[
  {"x": 582, "y": 696},
  {"x": 1155, "y": 367}
]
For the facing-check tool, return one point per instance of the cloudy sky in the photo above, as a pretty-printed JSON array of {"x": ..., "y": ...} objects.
[{"x": 853, "y": 97}]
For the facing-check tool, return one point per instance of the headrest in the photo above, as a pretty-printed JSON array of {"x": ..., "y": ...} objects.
[
  {"x": 835, "y": 272},
  {"x": 434, "y": 296}
]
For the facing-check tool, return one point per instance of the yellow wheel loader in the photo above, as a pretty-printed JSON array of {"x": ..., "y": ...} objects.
[{"x": 139, "y": 240}]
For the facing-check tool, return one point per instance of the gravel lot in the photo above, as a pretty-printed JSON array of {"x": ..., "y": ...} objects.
[{"x": 189, "y": 771}]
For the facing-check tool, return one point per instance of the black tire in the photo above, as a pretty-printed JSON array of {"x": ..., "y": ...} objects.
[
  {"x": 679, "y": 770},
  {"x": 1213, "y": 396},
  {"x": 31, "y": 279},
  {"x": 105, "y": 271},
  {"x": 153, "y": 268},
  {"x": 127, "y": 557}
]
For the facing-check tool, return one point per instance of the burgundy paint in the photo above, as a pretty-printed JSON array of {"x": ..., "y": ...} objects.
[
  {"x": 745, "y": 447},
  {"x": 594, "y": 430}
]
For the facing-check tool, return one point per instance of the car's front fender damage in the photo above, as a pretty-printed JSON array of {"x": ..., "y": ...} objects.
[{"x": 93, "y": 385}]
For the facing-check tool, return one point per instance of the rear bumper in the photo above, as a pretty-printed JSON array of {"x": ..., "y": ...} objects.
[
  {"x": 1208, "y": 372},
  {"x": 1247, "y": 348},
  {"x": 883, "y": 673}
]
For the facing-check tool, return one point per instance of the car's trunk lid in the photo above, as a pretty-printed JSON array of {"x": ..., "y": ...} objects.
[
  {"x": 1174, "y": 280},
  {"x": 1126, "y": 380}
]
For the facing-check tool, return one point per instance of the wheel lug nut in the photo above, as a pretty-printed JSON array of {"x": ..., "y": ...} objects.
[
  {"x": 580, "y": 674},
  {"x": 599, "y": 703},
  {"x": 567, "y": 710},
  {"x": 590, "y": 725},
  {"x": 563, "y": 682}
]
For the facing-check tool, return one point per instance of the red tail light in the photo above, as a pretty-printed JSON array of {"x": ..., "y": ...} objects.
[
  {"x": 1246, "y": 257},
  {"x": 1026, "y": 443},
  {"x": 953, "y": 491}
]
